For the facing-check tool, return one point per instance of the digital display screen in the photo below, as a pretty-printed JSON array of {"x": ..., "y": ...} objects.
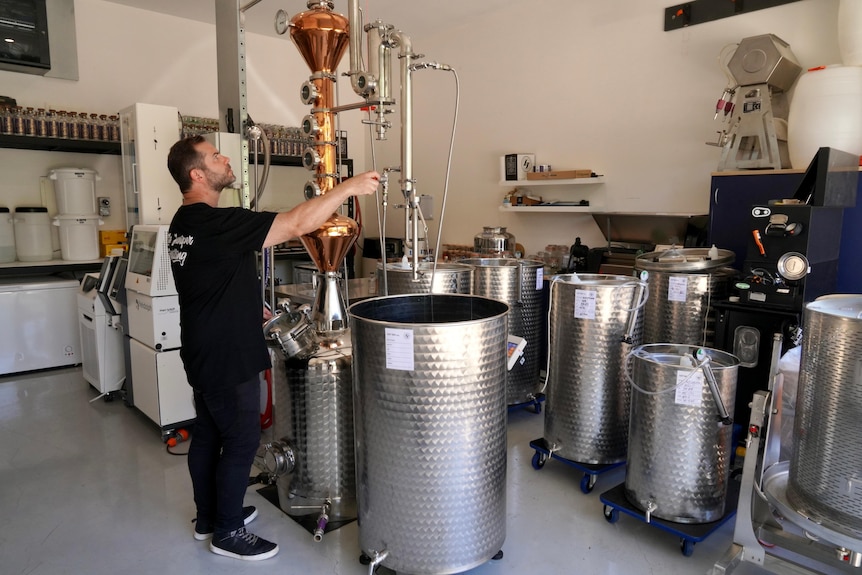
[{"x": 141, "y": 252}]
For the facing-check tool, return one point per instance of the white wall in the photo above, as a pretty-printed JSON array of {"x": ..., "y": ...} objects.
[
  {"x": 584, "y": 84},
  {"x": 580, "y": 84}
]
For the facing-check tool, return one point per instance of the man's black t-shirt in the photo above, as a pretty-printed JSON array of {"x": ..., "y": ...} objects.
[{"x": 213, "y": 260}]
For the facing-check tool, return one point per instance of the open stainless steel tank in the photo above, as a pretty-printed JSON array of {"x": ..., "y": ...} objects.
[
  {"x": 683, "y": 285},
  {"x": 825, "y": 478},
  {"x": 679, "y": 449},
  {"x": 593, "y": 325},
  {"x": 430, "y": 402},
  {"x": 517, "y": 283},
  {"x": 447, "y": 278}
]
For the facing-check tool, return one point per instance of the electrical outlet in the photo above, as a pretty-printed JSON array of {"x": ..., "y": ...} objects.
[{"x": 104, "y": 206}]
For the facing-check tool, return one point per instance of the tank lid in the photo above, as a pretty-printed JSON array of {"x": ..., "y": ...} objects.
[
  {"x": 840, "y": 305},
  {"x": 683, "y": 260}
]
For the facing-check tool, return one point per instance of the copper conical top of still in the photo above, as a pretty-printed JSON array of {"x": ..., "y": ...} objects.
[
  {"x": 328, "y": 244},
  {"x": 321, "y": 35}
]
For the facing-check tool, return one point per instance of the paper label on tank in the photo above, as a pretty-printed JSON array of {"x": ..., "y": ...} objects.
[
  {"x": 689, "y": 385},
  {"x": 585, "y": 304},
  {"x": 677, "y": 287},
  {"x": 540, "y": 278},
  {"x": 399, "y": 349}
]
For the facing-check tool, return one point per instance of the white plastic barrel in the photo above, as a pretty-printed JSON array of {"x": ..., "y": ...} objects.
[
  {"x": 33, "y": 234},
  {"x": 825, "y": 112},
  {"x": 850, "y": 32},
  {"x": 79, "y": 237},
  {"x": 75, "y": 189}
]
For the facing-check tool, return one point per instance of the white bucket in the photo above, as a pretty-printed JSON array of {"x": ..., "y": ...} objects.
[
  {"x": 79, "y": 237},
  {"x": 75, "y": 189},
  {"x": 7, "y": 236},
  {"x": 33, "y": 234},
  {"x": 825, "y": 112}
]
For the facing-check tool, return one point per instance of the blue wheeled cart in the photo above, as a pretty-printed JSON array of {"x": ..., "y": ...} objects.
[
  {"x": 591, "y": 471},
  {"x": 615, "y": 500},
  {"x": 535, "y": 404}
]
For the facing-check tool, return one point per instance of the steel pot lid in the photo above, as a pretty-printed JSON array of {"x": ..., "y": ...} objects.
[
  {"x": 847, "y": 306},
  {"x": 684, "y": 260}
]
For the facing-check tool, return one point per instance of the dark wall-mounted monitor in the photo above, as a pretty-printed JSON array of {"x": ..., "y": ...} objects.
[
  {"x": 24, "y": 36},
  {"x": 830, "y": 179}
]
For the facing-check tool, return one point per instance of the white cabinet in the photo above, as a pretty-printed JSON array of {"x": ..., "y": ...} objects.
[{"x": 559, "y": 199}]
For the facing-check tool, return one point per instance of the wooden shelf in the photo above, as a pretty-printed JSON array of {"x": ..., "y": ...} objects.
[{"x": 570, "y": 182}]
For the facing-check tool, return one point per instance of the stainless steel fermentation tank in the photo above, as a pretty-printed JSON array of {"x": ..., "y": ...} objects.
[
  {"x": 430, "y": 401},
  {"x": 426, "y": 278},
  {"x": 517, "y": 283},
  {"x": 684, "y": 283},
  {"x": 594, "y": 321},
  {"x": 679, "y": 434},
  {"x": 825, "y": 480}
]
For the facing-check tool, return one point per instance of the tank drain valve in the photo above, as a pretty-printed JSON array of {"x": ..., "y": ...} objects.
[
  {"x": 651, "y": 506},
  {"x": 322, "y": 520},
  {"x": 852, "y": 558}
]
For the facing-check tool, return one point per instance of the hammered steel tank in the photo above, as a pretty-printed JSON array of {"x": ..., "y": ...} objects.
[
  {"x": 594, "y": 322},
  {"x": 430, "y": 402},
  {"x": 826, "y": 467},
  {"x": 683, "y": 285},
  {"x": 679, "y": 433},
  {"x": 517, "y": 283},
  {"x": 447, "y": 278}
]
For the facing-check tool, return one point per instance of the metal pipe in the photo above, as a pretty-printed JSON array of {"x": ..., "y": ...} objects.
[{"x": 406, "y": 55}]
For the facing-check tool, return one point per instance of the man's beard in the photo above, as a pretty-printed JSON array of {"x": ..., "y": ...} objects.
[{"x": 218, "y": 182}]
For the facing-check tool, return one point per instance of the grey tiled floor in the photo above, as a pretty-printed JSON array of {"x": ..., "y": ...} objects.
[{"x": 87, "y": 487}]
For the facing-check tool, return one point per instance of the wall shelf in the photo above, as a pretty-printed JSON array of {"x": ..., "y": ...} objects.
[
  {"x": 58, "y": 144},
  {"x": 546, "y": 209},
  {"x": 569, "y": 182}
]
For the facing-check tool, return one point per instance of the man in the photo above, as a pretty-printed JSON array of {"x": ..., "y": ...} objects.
[{"x": 213, "y": 260}]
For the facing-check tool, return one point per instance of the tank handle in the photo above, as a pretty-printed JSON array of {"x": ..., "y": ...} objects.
[
  {"x": 713, "y": 387},
  {"x": 519, "y": 301},
  {"x": 642, "y": 296}
]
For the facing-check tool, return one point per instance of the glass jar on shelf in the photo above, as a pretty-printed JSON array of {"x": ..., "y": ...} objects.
[
  {"x": 6, "y": 119},
  {"x": 51, "y": 123},
  {"x": 114, "y": 128},
  {"x": 63, "y": 124}
]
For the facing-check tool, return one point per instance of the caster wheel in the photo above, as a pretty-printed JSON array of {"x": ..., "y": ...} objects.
[
  {"x": 498, "y": 556},
  {"x": 611, "y": 515},
  {"x": 365, "y": 559},
  {"x": 588, "y": 482},
  {"x": 109, "y": 397},
  {"x": 539, "y": 460},
  {"x": 686, "y": 546}
]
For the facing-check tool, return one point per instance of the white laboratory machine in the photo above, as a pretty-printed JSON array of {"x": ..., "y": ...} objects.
[
  {"x": 40, "y": 324},
  {"x": 161, "y": 390},
  {"x": 103, "y": 364},
  {"x": 147, "y": 132}
]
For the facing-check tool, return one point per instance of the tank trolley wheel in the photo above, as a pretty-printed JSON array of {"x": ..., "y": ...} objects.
[
  {"x": 109, "y": 397},
  {"x": 539, "y": 460},
  {"x": 686, "y": 546},
  {"x": 365, "y": 559},
  {"x": 497, "y": 556},
  {"x": 538, "y": 408},
  {"x": 612, "y": 515},
  {"x": 588, "y": 481}
]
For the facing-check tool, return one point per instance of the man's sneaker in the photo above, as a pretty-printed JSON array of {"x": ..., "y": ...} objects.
[
  {"x": 204, "y": 530},
  {"x": 241, "y": 544}
]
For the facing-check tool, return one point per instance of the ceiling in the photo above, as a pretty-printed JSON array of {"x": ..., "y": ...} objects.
[{"x": 407, "y": 15}]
